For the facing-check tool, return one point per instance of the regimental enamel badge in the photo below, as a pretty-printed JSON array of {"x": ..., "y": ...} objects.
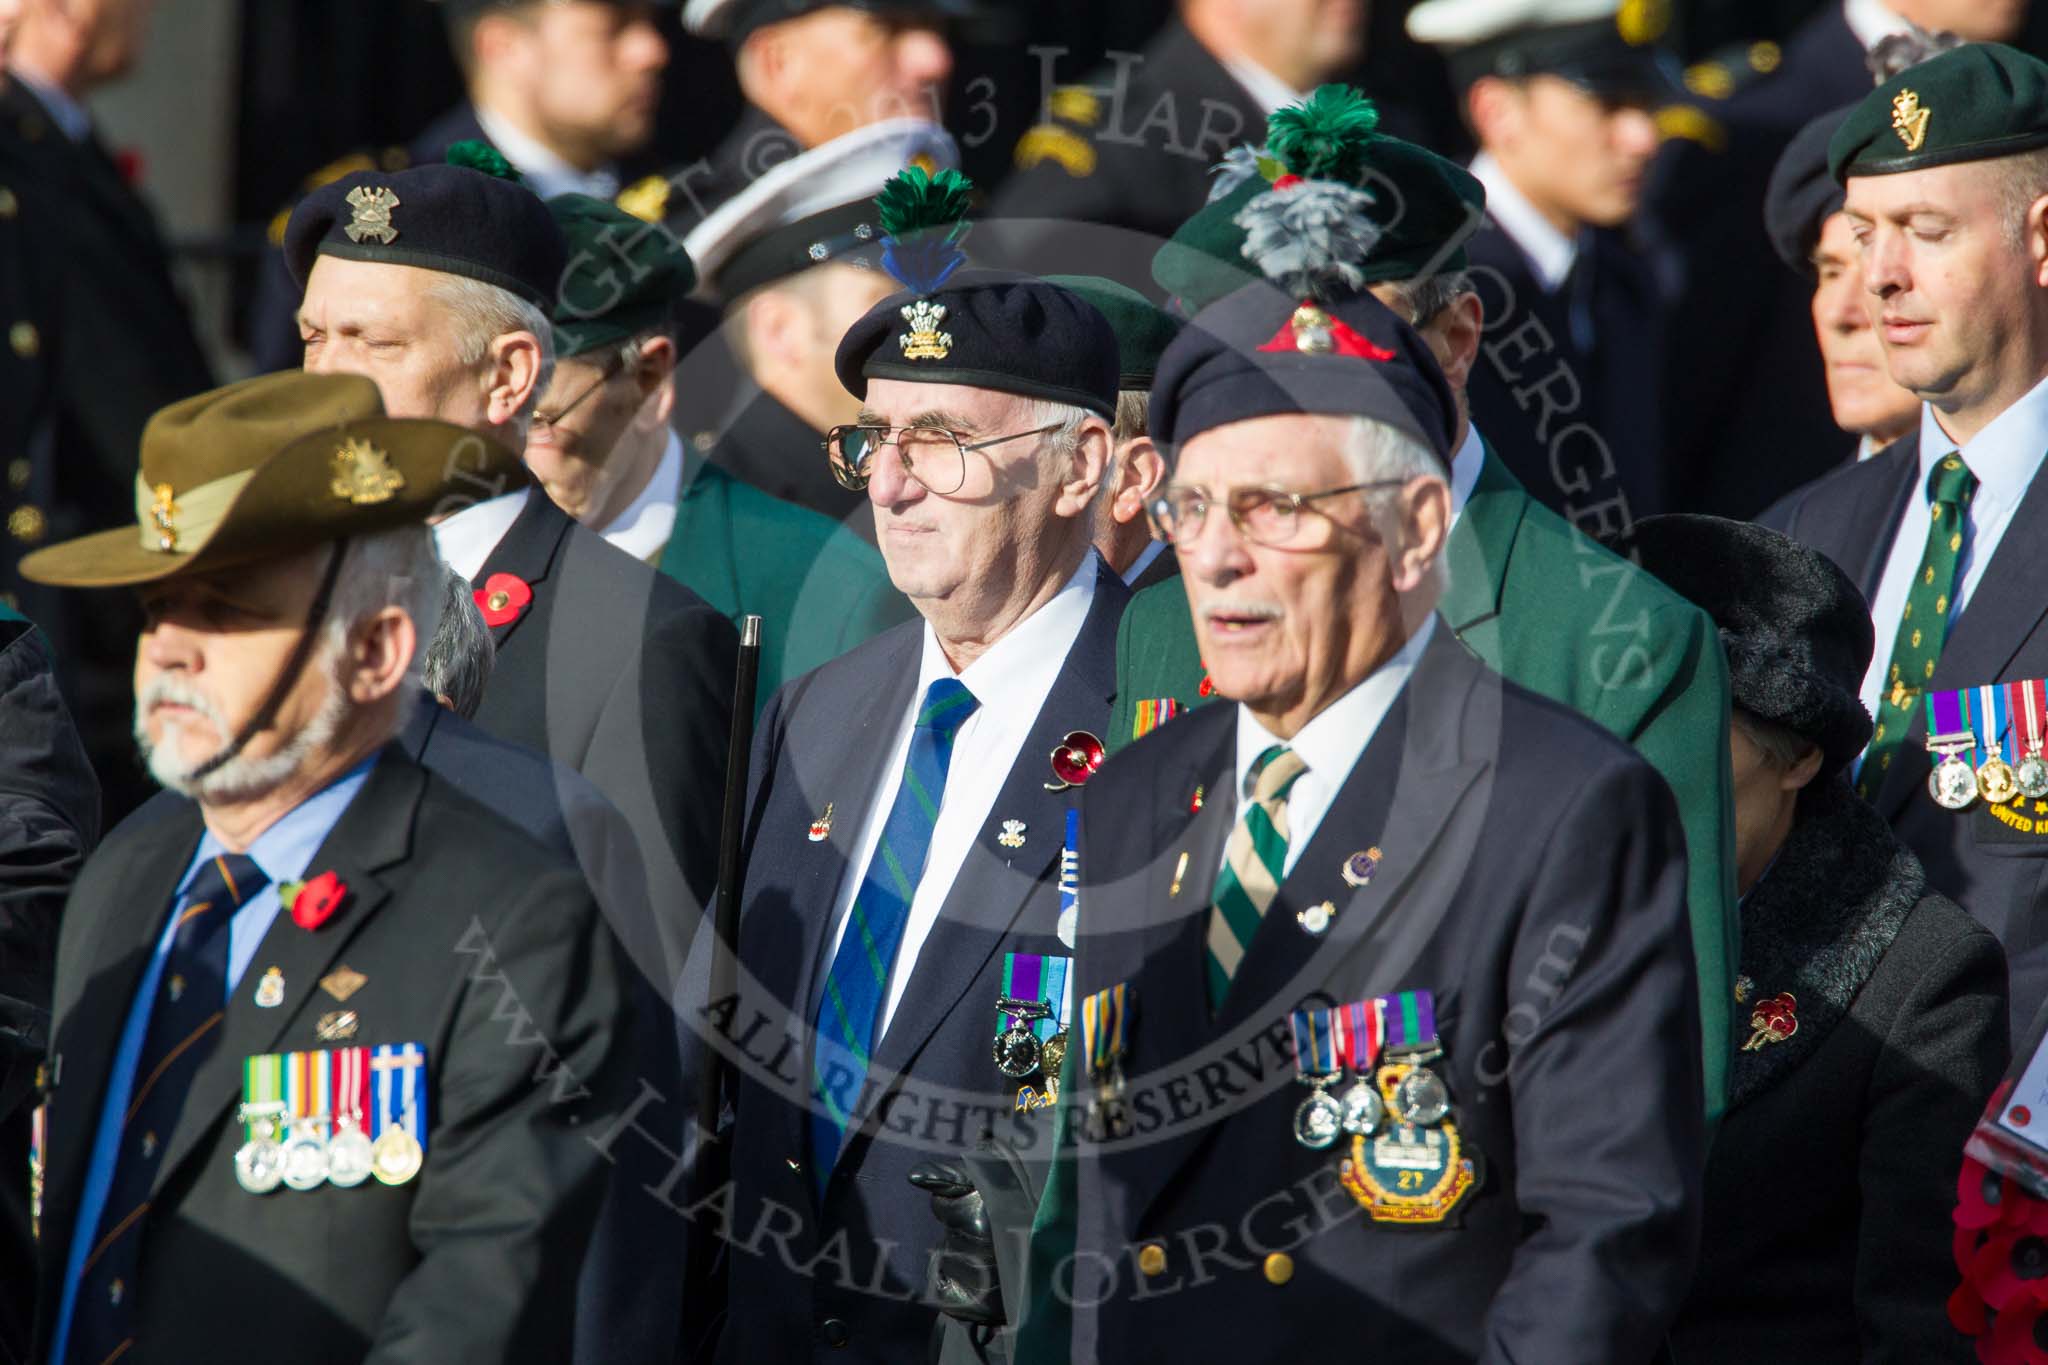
[
  {"x": 343, "y": 982},
  {"x": 270, "y": 990},
  {"x": 164, "y": 512},
  {"x": 363, "y": 474},
  {"x": 336, "y": 1026},
  {"x": 1359, "y": 867},
  {"x": 1012, "y": 835},
  {"x": 1909, "y": 119},
  {"x": 821, "y": 828},
  {"x": 371, "y": 214},
  {"x": 924, "y": 340}
]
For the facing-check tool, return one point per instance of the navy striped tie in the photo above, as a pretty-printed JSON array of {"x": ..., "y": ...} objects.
[
  {"x": 851, "y": 1002},
  {"x": 184, "y": 1027}
]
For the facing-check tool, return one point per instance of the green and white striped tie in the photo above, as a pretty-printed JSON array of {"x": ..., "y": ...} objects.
[{"x": 1253, "y": 867}]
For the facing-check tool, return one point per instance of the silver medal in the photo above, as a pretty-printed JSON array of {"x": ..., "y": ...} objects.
[
  {"x": 2032, "y": 776},
  {"x": 259, "y": 1165},
  {"x": 1953, "y": 783},
  {"x": 1422, "y": 1098},
  {"x": 1318, "y": 1121},
  {"x": 350, "y": 1156},
  {"x": 1364, "y": 1110},
  {"x": 305, "y": 1157},
  {"x": 1017, "y": 1051}
]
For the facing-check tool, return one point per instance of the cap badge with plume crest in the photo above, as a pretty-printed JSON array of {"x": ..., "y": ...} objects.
[
  {"x": 924, "y": 220},
  {"x": 1311, "y": 232}
]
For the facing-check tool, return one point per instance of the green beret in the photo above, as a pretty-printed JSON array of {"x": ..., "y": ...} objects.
[
  {"x": 1142, "y": 327},
  {"x": 1425, "y": 206},
  {"x": 624, "y": 276},
  {"x": 1972, "y": 103}
]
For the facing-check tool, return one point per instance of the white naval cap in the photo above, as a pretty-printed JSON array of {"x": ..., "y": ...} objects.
[
  {"x": 1460, "y": 23},
  {"x": 814, "y": 208},
  {"x": 1608, "y": 46}
]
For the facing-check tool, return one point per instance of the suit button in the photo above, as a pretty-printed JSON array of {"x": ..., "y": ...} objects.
[
  {"x": 27, "y": 524},
  {"x": 833, "y": 1332},
  {"x": 9, "y": 204},
  {"x": 19, "y": 472},
  {"x": 1152, "y": 1258},
  {"x": 1279, "y": 1268},
  {"x": 25, "y": 340}
]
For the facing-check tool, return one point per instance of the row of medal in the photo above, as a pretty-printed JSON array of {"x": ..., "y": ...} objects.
[
  {"x": 1987, "y": 742},
  {"x": 1032, "y": 1012},
  {"x": 1349, "y": 1039},
  {"x": 337, "y": 1117}
]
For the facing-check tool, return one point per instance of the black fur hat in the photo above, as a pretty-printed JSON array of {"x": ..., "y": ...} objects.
[{"x": 1796, "y": 629}]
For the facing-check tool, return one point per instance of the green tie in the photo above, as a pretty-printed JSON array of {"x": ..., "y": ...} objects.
[
  {"x": 1253, "y": 866},
  {"x": 1925, "y": 625}
]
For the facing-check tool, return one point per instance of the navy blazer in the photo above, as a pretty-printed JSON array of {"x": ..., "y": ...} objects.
[
  {"x": 1532, "y": 875},
  {"x": 1993, "y": 868},
  {"x": 807, "y": 1280}
]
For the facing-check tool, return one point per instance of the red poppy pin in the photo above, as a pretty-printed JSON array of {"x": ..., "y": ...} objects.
[
  {"x": 1075, "y": 760},
  {"x": 314, "y": 902},
  {"x": 502, "y": 597},
  {"x": 1774, "y": 1020}
]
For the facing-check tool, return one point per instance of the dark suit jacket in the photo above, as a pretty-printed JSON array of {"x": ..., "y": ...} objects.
[
  {"x": 1834, "y": 1173},
  {"x": 490, "y": 953},
  {"x": 98, "y": 339},
  {"x": 49, "y": 822},
  {"x": 625, "y": 675},
  {"x": 1533, "y": 877},
  {"x": 937, "y": 1086},
  {"x": 1577, "y": 427},
  {"x": 1992, "y": 868}
]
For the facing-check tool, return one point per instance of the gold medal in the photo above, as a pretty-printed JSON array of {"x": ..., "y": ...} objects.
[
  {"x": 396, "y": 1156},
  {"x": 1996, "y": 781}
]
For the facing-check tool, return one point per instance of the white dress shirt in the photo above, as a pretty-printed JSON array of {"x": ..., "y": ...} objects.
[
  {"x": 1330, "y": 744},
  {"x": 466, "y": 539},
  {"x": 1010, "y": 681},
  {"x": 1872, "y": 21},
  {"x": 1548, "y": 250},
  {"x": 1267, "y": 90},
  {"x": 545, "y": 173},
  {"x": 643, "y": 529},
  {"x": 1465, "y": 467},
  {"x": 2005, "y": 457}
]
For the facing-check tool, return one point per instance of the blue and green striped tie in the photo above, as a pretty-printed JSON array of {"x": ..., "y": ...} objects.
[{"x": 851, "y": 1003}]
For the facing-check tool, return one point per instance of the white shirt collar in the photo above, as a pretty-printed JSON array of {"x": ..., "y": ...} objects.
[
  {"x": 643, "y": 529},
  {"x": 1153, "y": 549},
  {"x": 466, "y": 539},
  {"x": 2004, "y": 455},
  {"x": 1335, "y": 736},
  {"x": 67, "y": 113},
  {"x": 1872, "y": 21},
  {"x": 1548, "y": 250},
  {"x": 1465, "y": 466},
  {"x": 546, "y": 174},
  {"x": 1014, "y": 674},
  {"x": 1267, "y": 90}
]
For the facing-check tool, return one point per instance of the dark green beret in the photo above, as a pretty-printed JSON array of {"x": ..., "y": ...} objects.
[
  {"x": 1426, "y": 207},
  {"x": 624, "y": 276},
  {"x": 1972, "y": 103},
  {"x": 1142, "y": 327}
]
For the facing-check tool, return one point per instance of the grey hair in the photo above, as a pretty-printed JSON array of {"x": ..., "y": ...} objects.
[
  {"x": 1377, "y": 451},
  {"x": 1781, "y": 746},
  {"x": 1896, "y": 52},
  {"x": 483, "y": 313},
  {"x": 1428, "y": 295},
  {"x": 394, "y": 568},
  {"x": 2021, "y": 179},
  {"x": 461, "y": 656}
]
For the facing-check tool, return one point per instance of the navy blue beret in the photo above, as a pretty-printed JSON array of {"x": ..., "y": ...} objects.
[
  {"x": 1258, "y": 352},
  {"x": 447, "y": 218},
  {"x": 1802, "y": 194},
  {"x": 991, "y": 330}
]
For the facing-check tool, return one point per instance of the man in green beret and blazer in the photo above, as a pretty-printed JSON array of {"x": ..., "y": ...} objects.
[
  {"x": 282, "y": 1101},
  {"x": 1945, "y": 175},
  {"x": 602, "y": 445},
  {"x": 1531, "y": 596}
]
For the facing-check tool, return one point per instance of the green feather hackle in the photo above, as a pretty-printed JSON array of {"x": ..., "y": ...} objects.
[
  {"x": 913, "y": 201},
  {"x": 478, "y": 155},
  {"x": 1326, "y": 136}
]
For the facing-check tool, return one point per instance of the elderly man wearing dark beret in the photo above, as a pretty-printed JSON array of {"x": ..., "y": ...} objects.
[
  {"x": 901, "y": 910},
  {"x": 1452, "y": 911},
  {"x": 436, "y": 282},
  {"x": 1872, "y": 1020},
  {"x": 281, "y": 1097},
  {"x": 1945, "y": 169}
]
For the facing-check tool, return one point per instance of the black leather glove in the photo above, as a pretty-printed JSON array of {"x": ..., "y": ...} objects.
[{"x": 961, "y": 1278}]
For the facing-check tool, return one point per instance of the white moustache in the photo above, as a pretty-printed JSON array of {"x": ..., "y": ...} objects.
[{"x": 169, "y": 688}]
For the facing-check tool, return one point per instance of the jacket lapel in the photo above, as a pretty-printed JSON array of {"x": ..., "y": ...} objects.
[
  {"x": 995, "y": 884},
  {"x": 1480, "y": 546},
  {"x": 127, "y": 926},
  {"x": 374, "y": 833},
  {"x": 527, "y": 551}
]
